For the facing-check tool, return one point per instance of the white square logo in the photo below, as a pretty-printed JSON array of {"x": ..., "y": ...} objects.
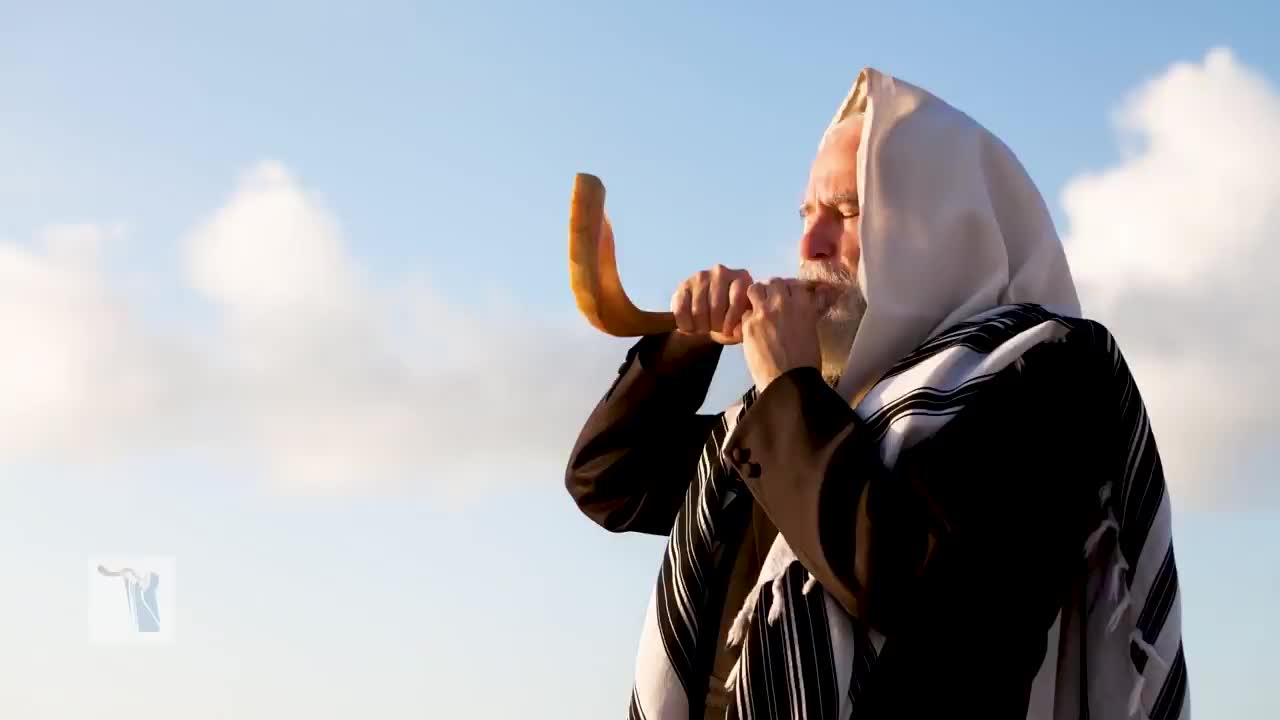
[{"x": 131, "y": 600}]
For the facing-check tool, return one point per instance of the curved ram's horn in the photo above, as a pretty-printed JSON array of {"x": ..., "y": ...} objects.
[{"x": 593, "y": 268}]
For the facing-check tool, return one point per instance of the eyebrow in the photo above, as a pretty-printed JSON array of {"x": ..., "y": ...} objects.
[{"x": 844, "y": 198}]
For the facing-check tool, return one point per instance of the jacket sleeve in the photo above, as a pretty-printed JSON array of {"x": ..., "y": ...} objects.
[
  {"x": 636, "y": 454},
  {"x": 991, "y": 498}
]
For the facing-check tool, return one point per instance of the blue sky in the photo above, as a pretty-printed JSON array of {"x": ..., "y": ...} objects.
[{"x": 299, "y": 273}]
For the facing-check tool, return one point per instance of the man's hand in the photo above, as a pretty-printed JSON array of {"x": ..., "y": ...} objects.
[
  {"x": 780, "y": 329},
  {"x": 711, "y": 303}
]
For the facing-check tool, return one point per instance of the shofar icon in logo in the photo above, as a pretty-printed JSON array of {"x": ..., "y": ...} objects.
[{"x": 140, "y": 591}]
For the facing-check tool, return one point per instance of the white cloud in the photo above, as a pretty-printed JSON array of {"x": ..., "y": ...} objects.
[
  {"x": 272, "y": 251},
  {"x": 78, "y": 374},
  {"x": 1175, "y": 249},
  {"x": 331, "y": 384}
]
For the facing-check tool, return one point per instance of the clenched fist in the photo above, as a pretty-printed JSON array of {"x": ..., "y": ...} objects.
[
  {"x": 780, "y": 328},
  {"x": 712, "y": 302}
]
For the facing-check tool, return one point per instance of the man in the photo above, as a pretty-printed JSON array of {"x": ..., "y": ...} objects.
[{"x": 941, "y": 494}]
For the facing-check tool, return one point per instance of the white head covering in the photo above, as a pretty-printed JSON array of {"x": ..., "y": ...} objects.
[{"x": 951, "y": 226}]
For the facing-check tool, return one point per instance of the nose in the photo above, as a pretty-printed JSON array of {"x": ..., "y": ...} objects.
[{"x": 819, "y": 242}]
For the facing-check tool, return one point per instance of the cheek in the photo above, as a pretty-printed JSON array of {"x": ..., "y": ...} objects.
[{"x": 851, "y": 246}]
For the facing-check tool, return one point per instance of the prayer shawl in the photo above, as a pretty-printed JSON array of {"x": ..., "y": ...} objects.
[
  {"x": 963, "y": 272},
  {"x": 802, "y": 656}
]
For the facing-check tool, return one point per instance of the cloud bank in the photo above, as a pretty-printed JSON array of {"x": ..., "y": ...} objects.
[
  {"x": 309, "y": 372},
  {"x": 327, "y": 383},
  {"x": 1175, "y": 249}
]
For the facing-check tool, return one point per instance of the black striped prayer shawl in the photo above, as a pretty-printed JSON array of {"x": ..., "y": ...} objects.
[{"x": 801, "y": 655}]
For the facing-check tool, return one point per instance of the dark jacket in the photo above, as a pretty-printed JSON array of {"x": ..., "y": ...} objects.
[{"x": 961, "y": 555}]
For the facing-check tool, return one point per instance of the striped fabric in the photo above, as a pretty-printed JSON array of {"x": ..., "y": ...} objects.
[{"x": 1119, "y": 648}]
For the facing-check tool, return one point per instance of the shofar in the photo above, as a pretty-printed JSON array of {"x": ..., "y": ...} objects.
[{"x": 593, "y": 268}]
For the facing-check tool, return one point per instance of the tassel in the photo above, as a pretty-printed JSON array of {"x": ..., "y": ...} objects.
[
  {"x": 1096, "y": 536},
  {"x": 1150, "y": 650},
  {"x": 775, "y": 609},
  {"x": 1117, "y": 578},
  {"x": 1135, "y": 697},
  {"x": 738, "y": 631},
  {"x": 1119, "y": 613},
  {"x": 733, "y": 675},
  {"x": 809, "y": 584}
]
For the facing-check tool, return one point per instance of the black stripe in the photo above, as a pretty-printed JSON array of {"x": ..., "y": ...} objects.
[
  {"x": 864, "y": 658},
  {"x": 981, "y": 336},
  {"x": 790, "y": 657},
  {"x": 1138, "y": 657},
  {"x": 634, "y": 711},
  {"x": 1142, "y": 481},
  {"x": 1173, "y": 692},
  {"x": 924, "y": 401},
  {"x": 692, "y": 580},
  {"x": 1164, "y": 590},
  {"x": 810, "y": 627},
  {"x": 1159, "y": 602},
  {"x": 1136, "y": 505}
]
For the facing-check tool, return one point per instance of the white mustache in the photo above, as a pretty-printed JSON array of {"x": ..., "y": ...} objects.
[
  {"x": 838, "y": 278},
  {"x": 827, "y": 274}
]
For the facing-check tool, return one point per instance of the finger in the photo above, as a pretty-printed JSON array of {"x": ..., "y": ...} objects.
[
  {"x": 681, "y": 308},
  {"x": 718, "y": 297},
  {"x": 749, "y": 318},
  {"x": 735, "y": 337},
  {"x": 699, "y": 306},
  {"x": 814, "y": 294},
  {"x": 796, "y": 285},
  {"x": 775, "y": 292},
  {"x": 738, "y": 303},
  {"x": 803, "y": 291},
  {"x": 758, "y": 295}
]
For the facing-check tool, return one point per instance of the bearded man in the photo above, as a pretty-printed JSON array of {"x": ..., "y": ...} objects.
[{"x": 942, "y": 493}]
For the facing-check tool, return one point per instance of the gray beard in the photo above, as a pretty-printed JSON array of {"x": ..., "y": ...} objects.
[
  {"x": 836, "y": 331},
  {"x": 839, "y": 325}
]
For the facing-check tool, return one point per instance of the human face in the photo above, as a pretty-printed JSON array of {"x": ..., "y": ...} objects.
[
  {"x": 831, "y": 207},
  {"x": 830, "y": 248}
]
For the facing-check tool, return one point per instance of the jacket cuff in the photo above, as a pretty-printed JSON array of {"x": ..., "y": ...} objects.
[
  {"x": 797, "y": 400},
  {"x": 669, "y": 354},
  {"x": 793, "y": 436}
]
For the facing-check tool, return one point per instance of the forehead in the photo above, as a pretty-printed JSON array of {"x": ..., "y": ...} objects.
[{"x": 835, "y": 167}]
